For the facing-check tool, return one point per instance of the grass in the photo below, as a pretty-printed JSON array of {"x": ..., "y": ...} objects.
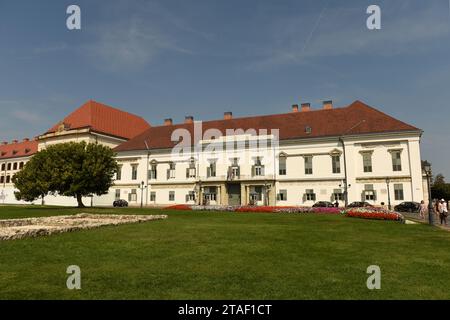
[{"x": 199, "y": 255}]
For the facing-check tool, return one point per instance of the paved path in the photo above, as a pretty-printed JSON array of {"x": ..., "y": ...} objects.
[{"x": 436, "y": 221}]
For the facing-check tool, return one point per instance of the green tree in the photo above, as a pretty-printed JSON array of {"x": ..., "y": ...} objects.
[
  {"x": 69, "y": 169},
  {"x": 439, "y": 179},
  {"x": 33, "y": 181},
  {"x": 440, "y": 189}
]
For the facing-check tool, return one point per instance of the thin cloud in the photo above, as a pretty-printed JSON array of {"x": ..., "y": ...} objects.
[{"x": 343, "y": 32}]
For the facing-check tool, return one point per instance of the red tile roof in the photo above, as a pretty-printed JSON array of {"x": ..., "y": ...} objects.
[
  {"x": 104, "y": 119},
  {"x": 323, "y": 123},
  {"x": 18, "y": 149}
]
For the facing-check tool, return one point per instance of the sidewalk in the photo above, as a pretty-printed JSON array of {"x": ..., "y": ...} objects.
[{"x": 436, "y": 221}]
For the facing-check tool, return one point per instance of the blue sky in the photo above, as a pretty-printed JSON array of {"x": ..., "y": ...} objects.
[{"x": 171, "y": 58}]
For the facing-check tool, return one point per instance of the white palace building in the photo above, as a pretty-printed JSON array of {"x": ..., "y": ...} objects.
[{"x": 352, "y": 153}]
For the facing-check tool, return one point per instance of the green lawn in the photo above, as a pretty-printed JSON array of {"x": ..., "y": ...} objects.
[{"x": 198, "y": 255}]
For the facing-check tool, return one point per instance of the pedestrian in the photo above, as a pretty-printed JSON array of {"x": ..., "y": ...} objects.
[
  {"x": 423, "y": 209},
  {"x": 437, "y": 203},
  {"x": 336, "y": 204},
  {"x": 444, "y": 212},
  {"x": 440, "y": 210}
]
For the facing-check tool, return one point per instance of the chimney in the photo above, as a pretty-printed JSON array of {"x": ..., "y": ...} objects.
[
  {"x": 26, "y": 139},
  {"x": 327, "y": 105},
  {"x": 295, "y": 108},
  {"x": 306, "y": 107},
  {"x": 188, "y": 119},
  {"x": 168, "y": 122},
  {"x": 228, "y": 115},
  {"x": 4, "y": 143},
  {"x": 15, "y": 141}
]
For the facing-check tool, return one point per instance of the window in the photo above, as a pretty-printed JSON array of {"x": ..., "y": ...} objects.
[
  {"x": 8, "y": 179},
  {"x": 398, "y": 191},
  {"x": 117, "y": 195},
  {"x": 190, "y": 196},
  {"x": 2, "y": 179},
  {"x": 171, "y": 195},
  {"x": 256, "y": 193},
  {"x": 367, "y": 161},
  {"x": 9, "y": 166},
  {"x": 153, "y": 196},
  {"x": 338, "y": 195},
  {"x": 171, "y": 171},
  {"x": 282, "y": 165},
  {"x": 308, "y": 165},
  {"x": 210, "y": 193},
  {"x": 15, "y": 166},
  {"x": 211, "y": 169},
  {"x": 282, "y": 195},
  {"x": 21, "y": 165},
  {"x": 396, "y": 161},
  {"x": 119, "y": 173},
  {"x": 336, "y": 163},
  {"x": 134, "y": 171},
  {"x": 258, "y": 168},
  {"x": 132, "y": 196},
  {"x": 233, "y": 170},
  {"x": 190, "y": 171},
  {"x": 368, "y": 193},
  {"x": 3, "y": 167},
  {"x": 310, "y": 195},
  {"x": 152, "y": 174}
]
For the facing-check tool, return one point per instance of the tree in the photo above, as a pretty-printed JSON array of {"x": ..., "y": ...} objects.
[
  {"x": 33, "y": 181},
  {"x": 439, "y": 179},
  {"x": 68, "y": 169},
  {"x": 440, "y": 189}
]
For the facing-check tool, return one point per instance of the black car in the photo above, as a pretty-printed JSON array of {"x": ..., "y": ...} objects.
[
  {"x": 323, "y": 204},
  {"x": 408, "y": 206},
  {"x": 359, "y": 204},
  {"x": 120, "y": 203}
]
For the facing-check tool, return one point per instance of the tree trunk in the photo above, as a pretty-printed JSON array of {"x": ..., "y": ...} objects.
[{"x": 80, "y": 201}]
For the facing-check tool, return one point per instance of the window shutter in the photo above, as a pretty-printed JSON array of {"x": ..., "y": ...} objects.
[
  {"x": 208, "y": 172},
  {"x": 187, "y": 198},
  {"x": 187, "y": 172},
  {"x": 253, "y": 171},
  {"x": 168, "y": 174}
]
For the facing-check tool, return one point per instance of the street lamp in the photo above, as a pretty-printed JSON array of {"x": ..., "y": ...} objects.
[
  {"x": 427, "y": 168},
  {"x": 142, "y": 193},
  {"x": 388, "y": 192}
]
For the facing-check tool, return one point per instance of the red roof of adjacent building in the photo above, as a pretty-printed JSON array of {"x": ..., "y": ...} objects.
[
  {"x": 25, "y": 148},
  {"x": 104, "y": 119},
  {"x": 357, "y": 118}
]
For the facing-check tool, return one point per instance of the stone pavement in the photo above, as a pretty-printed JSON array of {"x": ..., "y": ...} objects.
[{"x": 436, "y": 221}]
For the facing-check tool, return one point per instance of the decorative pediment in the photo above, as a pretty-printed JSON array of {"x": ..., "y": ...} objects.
[{"x": 335, "y": 152}]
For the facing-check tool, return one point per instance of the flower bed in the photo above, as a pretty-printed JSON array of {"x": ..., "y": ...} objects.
[
  {"x": 257, "y": 209},
  {"x": 374, "y": 213},
  {"x": 179, "y": 207}
]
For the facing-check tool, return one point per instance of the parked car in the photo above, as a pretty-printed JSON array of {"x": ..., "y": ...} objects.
[
  {"x": 359, "y": 204},
  {"x": 120, "y": 203},
  {"x": 323, "y": 204},
  {"x": 407, "y": 206}
]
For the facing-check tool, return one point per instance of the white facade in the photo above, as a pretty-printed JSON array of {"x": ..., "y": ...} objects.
[{"x": 295, "y": 186}]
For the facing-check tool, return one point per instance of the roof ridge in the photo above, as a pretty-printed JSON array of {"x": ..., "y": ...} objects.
[
  {"x": 380, "y": 112},
  {"x": 260, "y": 116}
]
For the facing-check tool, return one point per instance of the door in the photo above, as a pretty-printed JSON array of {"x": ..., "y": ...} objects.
[{"x": 234, "y": 194}]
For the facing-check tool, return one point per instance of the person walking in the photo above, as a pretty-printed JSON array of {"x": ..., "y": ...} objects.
[
  {"x": 422, "y": 210},
  {"x": 444, "y": 212}
]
